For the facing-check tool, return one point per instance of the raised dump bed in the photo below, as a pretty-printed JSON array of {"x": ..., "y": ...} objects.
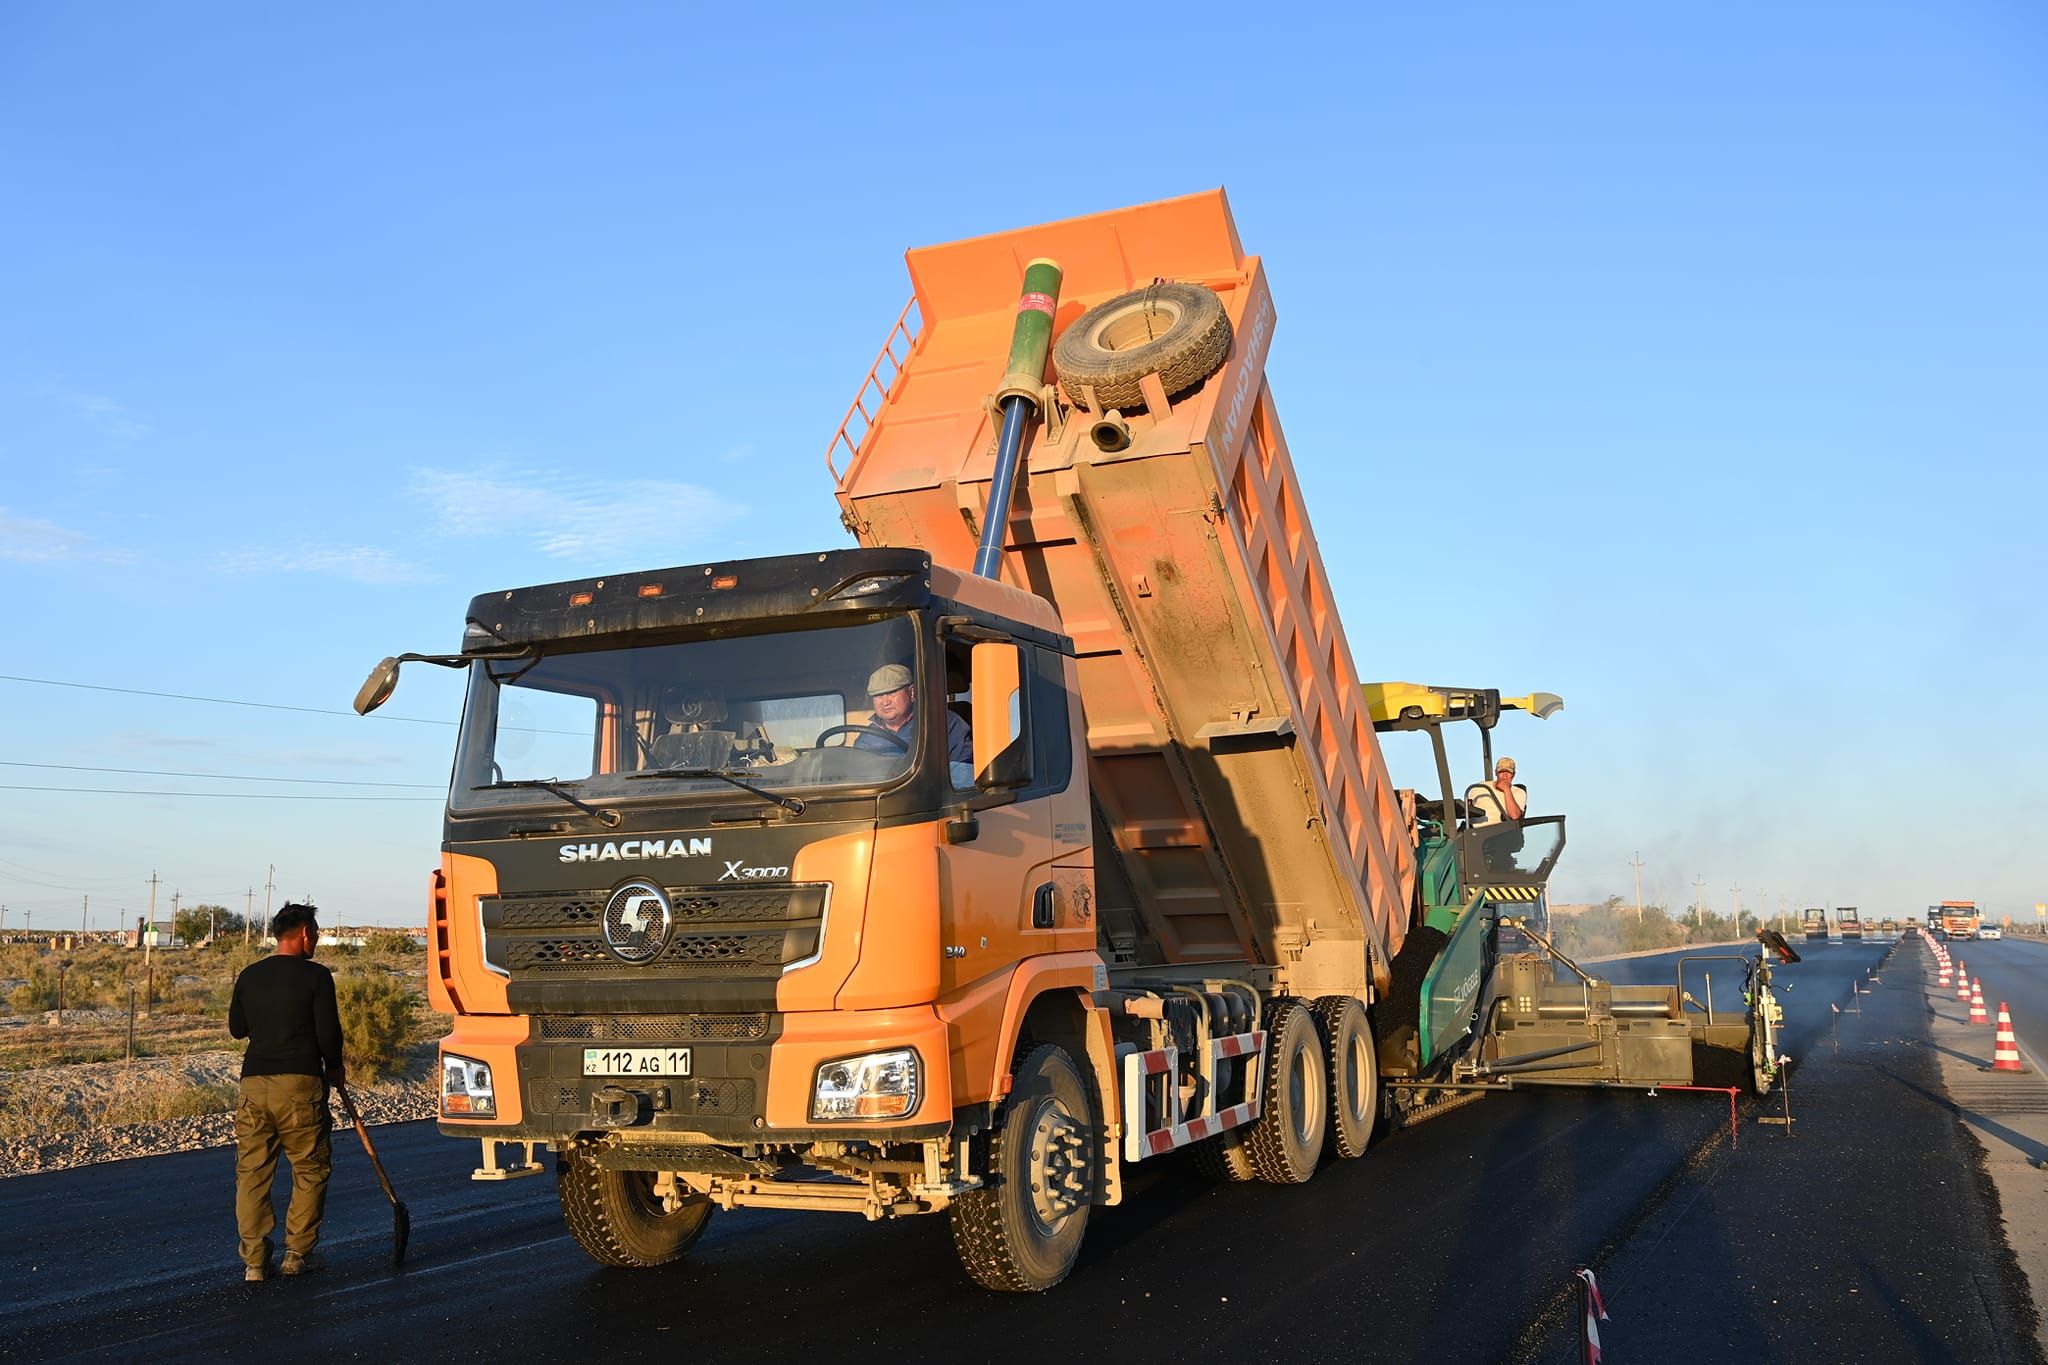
[{"x": 1244, "y": 813}]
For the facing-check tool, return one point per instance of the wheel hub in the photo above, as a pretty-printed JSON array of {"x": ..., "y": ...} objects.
[{"x": 1059, "y": 1166}]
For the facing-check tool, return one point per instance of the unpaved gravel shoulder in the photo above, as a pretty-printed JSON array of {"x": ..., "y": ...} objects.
[{"x": 68, "y": 1090}]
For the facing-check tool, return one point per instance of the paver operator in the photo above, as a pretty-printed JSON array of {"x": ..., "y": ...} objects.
[
  {"x": 1514, "y": 800},
  {"x": 284, "y": 1005}
]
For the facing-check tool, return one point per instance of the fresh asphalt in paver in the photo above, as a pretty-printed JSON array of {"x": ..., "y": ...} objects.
[{"x": 1454, "y": 1240}]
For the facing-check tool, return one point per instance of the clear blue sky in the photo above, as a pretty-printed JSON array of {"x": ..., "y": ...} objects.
[{"x": 1689, "y": 361}]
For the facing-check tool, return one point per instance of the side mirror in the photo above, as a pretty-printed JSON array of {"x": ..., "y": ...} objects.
[
  {"x": 1002, "y": 739},
  {"x": 377, "y": 688}
]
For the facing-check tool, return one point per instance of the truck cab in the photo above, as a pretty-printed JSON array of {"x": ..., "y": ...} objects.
[{"x": 674, "y": 799}]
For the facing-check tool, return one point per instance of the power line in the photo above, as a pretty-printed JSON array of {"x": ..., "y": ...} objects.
[
  {"x": 244, "y": 796},
  {"x": 264, "y": 705},
  {"x": 35, "y": 881},
  {"x": 217, "y": 701},
  {"x": 89, "y": 882},
  {"x": 223, "y": 777}
]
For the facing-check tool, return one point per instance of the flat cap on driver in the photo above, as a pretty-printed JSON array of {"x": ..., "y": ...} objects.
[{"x": 888, "y": 678}]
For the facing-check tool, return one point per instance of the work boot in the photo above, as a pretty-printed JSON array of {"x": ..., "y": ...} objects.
[
  {"x": 255, "y": 1274},
  {"x": 295, "y": 1264}
]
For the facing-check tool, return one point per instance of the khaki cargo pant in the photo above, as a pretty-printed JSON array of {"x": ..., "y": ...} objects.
[{"x": 281, "y": 1114}]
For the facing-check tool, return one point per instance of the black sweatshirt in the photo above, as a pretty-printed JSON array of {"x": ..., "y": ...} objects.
[{"x": 284, "y": 1006}]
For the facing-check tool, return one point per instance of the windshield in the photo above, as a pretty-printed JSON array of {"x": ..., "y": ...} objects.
[
  {"x": 785, "y": 713},
  {"x": 1515, "y": 850}
]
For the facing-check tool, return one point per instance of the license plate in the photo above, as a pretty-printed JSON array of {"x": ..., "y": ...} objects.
[{"x": 636, "y": 1061}]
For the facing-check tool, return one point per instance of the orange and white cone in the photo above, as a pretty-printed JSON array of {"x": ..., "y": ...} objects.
[
  {"x": 1962, "y": 983},
  {"x": 1944, "y": 982},
  {"x": 1977, "y": 1014},
  {"x": 2005, "y": 1055}
]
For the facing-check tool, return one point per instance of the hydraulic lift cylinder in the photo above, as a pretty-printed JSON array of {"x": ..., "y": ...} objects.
[{"x": 1017, "y": 396}]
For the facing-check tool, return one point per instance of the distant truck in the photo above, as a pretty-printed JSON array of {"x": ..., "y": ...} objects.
[
  {"x": 1889, "y": 926},
  {"x": 1959, "y": 919},
  {"x": 1849, "y": 923},
  {"x": 1816, "y": 924}
]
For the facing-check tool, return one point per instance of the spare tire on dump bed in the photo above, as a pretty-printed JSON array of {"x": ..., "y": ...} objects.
[{"x": 1176, "y": 331}]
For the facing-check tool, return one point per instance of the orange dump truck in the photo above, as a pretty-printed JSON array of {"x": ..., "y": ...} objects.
[{"x": 859, "y": 880}]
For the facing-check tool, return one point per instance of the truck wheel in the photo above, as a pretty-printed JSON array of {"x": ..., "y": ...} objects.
[
  {"x": 1021, "y": 1232},
  {"x": 1179, "y": 332},
  {"x": 1223, "y": 1158},
  {"x": 1286, "y": 1140},
  {"x": 616, "y": 1217},
  {"x": 1353, "y": 1066}
]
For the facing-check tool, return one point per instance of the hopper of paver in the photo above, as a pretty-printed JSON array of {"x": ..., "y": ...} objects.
[{"x": 1243, "y": 810}]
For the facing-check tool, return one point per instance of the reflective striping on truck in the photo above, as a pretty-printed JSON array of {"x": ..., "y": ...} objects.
[{"x": 1141, "y": 1067}]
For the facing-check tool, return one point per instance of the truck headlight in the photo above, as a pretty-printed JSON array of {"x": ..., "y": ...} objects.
[
  {"x": 466, "y": 1088},
  {"x": 875, "y": 1085}
]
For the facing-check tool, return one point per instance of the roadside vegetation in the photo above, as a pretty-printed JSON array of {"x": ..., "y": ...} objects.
[{"x": 181, "y": 1000}]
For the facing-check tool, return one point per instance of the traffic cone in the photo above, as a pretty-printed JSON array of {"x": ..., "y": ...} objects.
[
  {"x": 1944, "y": 982},
  {"x": 1962, "y": 983},
  {"x": 2005, "y": 1055},
  {"x": 1977, "y": 1014}
]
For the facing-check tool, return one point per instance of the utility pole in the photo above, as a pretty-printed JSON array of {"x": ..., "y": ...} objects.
[
  {"x": 1737, "y": 892},
  {"x": 1699, "y": 899},
  {"x": 149, "y": 950},
  {"x": 174, "y": 912},
  {"x": 1637, "y": 864},
  {"x": 84, "y": 918},
  {"x": 269, "y": 885},
  {"x": 248, "y": 914}
]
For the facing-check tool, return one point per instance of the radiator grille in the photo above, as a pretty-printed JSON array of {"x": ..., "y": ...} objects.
[
  {"x": 656, "y": 1027},
  {"x": 559, "y": 935}
]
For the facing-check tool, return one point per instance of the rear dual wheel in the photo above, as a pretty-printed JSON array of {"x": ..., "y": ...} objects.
[
  {"x": 1351, "y": 1060},
  {"x": 1286, "y": 1140}
]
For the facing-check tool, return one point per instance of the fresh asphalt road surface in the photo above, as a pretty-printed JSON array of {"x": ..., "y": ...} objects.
[{"x": 1453, "y": 1240}]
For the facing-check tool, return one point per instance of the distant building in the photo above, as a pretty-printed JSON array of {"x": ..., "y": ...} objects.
[
  {"x": 359, "y": 935},
  {"x": 149, "y": 935}
]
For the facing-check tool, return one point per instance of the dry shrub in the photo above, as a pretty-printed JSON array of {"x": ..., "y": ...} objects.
[
  {"x": 117, "y": 1097},
  {"x": 38, "y": 992},
  {"x": 376, "y": 1016}
]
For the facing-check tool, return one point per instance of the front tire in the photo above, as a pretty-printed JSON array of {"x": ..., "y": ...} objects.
[
  {"x": 1286, "y": 1140},
  {"x": 616, "y": 1217},
  {"x": 1021, "y": 1232}
]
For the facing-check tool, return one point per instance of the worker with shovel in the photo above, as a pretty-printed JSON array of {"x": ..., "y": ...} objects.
[{"x": 284, "y": 1005}]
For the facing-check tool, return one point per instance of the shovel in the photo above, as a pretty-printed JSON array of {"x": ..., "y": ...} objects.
[{"x": 401, "y": 1218}]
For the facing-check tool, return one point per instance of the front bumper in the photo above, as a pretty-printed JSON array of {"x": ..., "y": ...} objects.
[{"x": 751, "y": 1076}]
